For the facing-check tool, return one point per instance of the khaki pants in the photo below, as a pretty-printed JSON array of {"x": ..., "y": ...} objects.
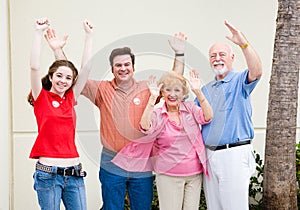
[{"x": 179, "y": 193}]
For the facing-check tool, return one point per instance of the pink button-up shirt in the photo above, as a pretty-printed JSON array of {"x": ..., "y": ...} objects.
[{"x": 140, "y": 155}]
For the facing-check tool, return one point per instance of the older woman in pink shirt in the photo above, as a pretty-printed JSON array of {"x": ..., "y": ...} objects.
[{"x": 173, "y": 147}]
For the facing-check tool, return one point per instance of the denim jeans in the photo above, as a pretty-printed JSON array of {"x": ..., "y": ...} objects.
[
  {"x": 115, "y": 181},
  {"x": 52, "y": 188}
]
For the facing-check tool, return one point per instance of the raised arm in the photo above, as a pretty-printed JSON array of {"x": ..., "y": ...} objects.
[
  {"x": 252, "y": 58},
  {"x": 86, "y": 64},
  {"x": 56, "y": 44},
  {"x": 145, "y": 122},
  {"x": 195, "y": 85},
  {"x": 178, "y": 44},
  {"x": 36, "y": 86}
]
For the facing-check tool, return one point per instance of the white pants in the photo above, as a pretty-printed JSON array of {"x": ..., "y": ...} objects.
[
  {"x": 229, "y": 176},
  {"x": 179, "y": 193}
]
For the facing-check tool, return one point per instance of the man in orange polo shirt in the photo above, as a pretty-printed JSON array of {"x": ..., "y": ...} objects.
[{"x": 121, "y": 102}]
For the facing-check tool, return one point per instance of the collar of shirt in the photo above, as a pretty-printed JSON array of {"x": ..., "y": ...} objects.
[
  {"x": 116, "y": 87},
  {"x": 56, "y": 96},
  {"x": 227, "y": 79},
  {"x": 182, "y": 108}
]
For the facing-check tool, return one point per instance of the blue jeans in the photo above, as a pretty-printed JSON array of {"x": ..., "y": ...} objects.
[
  {"x": 115, "y": 181},
  {"x": 52, "y": 188}
]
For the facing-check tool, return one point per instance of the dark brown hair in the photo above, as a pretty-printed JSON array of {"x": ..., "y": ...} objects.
[{"x": 121, "y": 51}]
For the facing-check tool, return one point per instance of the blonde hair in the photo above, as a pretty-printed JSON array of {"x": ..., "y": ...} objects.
[{"x": 173, "y": 78}]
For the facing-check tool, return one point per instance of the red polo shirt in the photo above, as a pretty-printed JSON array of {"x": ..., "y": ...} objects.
[{"x": 56, "y": 120}]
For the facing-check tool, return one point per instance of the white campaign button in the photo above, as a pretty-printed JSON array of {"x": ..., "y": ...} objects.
[
  {"x": 55, "y": 104},
  {"x": 136, "y": 101}
]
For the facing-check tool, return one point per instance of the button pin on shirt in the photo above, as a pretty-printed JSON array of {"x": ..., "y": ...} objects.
[
  {"x": 136, "y": 101},
  {"x": 55, "y": 104}
]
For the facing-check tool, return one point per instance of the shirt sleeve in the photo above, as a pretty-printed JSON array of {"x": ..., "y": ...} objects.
[
  {"x": 153, "y": 125},
  {"x": 247, "y": 86},
  {"x": 90, "y": 90},
  {"x": 197, "y": 113}
]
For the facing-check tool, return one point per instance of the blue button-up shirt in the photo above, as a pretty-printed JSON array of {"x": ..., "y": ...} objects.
[{"x": 230, "y": 100}]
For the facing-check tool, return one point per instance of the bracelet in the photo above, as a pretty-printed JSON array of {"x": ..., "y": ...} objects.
[
  {"x": 179, "y": 54},
  {"x": 244, "y": 46},
  {"x": 202, "y": 101}
]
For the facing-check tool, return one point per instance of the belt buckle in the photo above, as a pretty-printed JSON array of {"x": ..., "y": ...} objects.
[{"x": 65, "y": 172}]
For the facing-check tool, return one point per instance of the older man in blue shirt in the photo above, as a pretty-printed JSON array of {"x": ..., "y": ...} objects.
[{"x": 228, "y": 137}]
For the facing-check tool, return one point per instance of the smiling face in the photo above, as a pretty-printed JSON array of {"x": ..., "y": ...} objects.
[
  {"x": 174, "y": 89},
  {"x": 62, "y": 80},
  {"x": 221, "y": 58},
  {"x": 122, "y": 69},
  {"x": 173, "y": 94}
]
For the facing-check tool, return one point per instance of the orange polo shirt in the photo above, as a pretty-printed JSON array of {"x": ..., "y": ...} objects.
[{"x": 120, "y": 111}]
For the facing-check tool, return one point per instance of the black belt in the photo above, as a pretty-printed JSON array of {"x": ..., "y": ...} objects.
[
  {"x": 226, "y": 146},
  {"x": 63, "y": 171}
]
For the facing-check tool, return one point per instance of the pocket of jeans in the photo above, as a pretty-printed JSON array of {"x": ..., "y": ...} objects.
[
  {"x": 79, "y": 181},
  {"x": 44, "y": 180}
]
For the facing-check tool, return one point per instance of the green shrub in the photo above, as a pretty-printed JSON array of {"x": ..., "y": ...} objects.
[
  {"x": 256, "y": 185},
  {"x": 256, "y": 182}
]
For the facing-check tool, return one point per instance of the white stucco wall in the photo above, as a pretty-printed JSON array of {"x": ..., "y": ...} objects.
[
  {"x": 5, "y": 107},
  {"x": 116, "y": 23}
]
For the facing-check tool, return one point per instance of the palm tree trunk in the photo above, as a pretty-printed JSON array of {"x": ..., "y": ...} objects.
[{"x": 280, "y": 188}]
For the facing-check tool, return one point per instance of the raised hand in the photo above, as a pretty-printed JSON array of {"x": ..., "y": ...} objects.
[
  {"x": 194, "y": 80},
  {"x": 152, "y": 85},
  {"x": 86, "y": 63},
  {"x": 88, "y": 26},
  {"x": 178, "y": 43},
  {"x": 237, "y": 36},
  {"x": 42, "y": 24},
  {"x": 53, "y": 41}
]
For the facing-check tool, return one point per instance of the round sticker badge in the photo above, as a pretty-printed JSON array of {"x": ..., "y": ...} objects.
[
  {"x": 136, "y": 101},
  {"x": 55, "y": 104}
]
